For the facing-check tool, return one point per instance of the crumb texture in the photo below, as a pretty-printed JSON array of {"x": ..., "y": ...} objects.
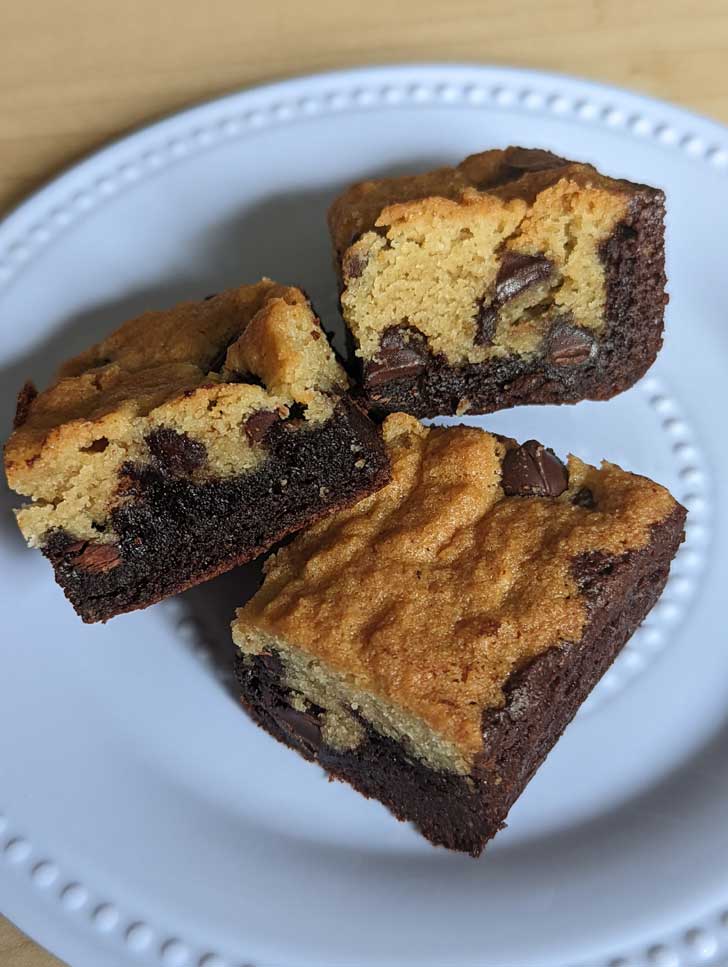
[
  {"x": 435, "y": 253},
  {"x": 178, "y": 531},
  {"x": 429, "y": 594},
  {"x": 176, "y": 387}
]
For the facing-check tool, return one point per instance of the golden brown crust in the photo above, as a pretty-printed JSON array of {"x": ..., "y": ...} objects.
[
  {"x": 430, "y": 593},
  {"x": 190, "y": 332},
  {"x": 492, "y": 172}
]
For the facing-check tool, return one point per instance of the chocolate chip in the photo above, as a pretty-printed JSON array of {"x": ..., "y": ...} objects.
[
  {"x": 354, "y": 265},
  {"x": 584, "y": 498},
  {"x": 92, "y": 558},
  {"x": 398, "y": 357},
  {"x": 533, "y": 159},
  {"x": 569, "y": 345},
  {"x": 519, "y": 272},
  {"x": 485, "y": 323},
  {"x": 258, "y": 424},
  {"x": 176, "y": 453},
  {"x": 304, "y": 726},
  {"x": 531, "y": 470},
  {"x": 208, "y": 297},
  {"x": 22, "y": 407}
]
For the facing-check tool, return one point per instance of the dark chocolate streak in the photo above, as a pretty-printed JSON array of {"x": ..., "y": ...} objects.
[
  {"x": 633, "y": 259},
  {"x": 175, "y": 532},
  {"x": 464, "y": 812},
  {"x": 176, "y": 453}
]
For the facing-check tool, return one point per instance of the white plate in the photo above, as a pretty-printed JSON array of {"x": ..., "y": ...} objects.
[{"x": 143, "y": 819}]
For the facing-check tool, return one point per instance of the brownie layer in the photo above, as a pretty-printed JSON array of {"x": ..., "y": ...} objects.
[
  {"x": 174, "y": 532},
  {"x": 464, "y": 812},
  {"x": 426, "y": 385}
]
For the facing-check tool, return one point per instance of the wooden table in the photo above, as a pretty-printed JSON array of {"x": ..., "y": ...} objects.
[{"x": 75, "y": 74}]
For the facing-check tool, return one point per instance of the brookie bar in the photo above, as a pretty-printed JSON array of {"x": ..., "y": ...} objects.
[
  {"x": 516, "y": 277},
  {"x": 430, "y": 644},
  {"x": 188, "y": 441}
]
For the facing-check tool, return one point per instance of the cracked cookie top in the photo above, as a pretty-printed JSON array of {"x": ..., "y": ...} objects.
[{"x": 422, "y": 599}]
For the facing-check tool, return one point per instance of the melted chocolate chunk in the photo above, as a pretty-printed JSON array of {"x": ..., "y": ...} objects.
[
  {"x": 485, "y": 323},
  {"x": 584, "y": 498},
  {"x": 533, "y": 471},
  {"x": 569, "y": 345},
  {"x": 303, "y": 725},
  {"x": 176, "y": 453},
  {"x": 519, "y": 272},
  {"x": 258, "y": 424},
  {"x": 398, "y": 357},
  {"x": 92, "y": 558},
  {"x": 533, "y": 159}
]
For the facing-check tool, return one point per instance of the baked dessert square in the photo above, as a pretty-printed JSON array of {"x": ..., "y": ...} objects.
[
  {"x": 516, "y": 277},
  {"x": 188, "y": 441},
  {"x": 430, "y": 644}
]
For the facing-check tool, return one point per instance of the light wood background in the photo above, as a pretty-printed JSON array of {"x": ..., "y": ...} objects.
[{"x": 74, "y": 73}]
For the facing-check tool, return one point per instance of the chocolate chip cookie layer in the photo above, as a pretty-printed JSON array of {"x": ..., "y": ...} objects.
[
  {"x": 186, "y": 442},
  {"x": 516, "y": 277},
  {"x": 430, "y": 644}
]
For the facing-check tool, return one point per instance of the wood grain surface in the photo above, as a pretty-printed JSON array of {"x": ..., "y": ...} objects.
[{"x": 74, "y": 73}]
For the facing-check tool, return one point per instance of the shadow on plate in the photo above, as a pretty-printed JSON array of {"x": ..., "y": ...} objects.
[
  {"x": 211, "y": 607},
  {"x": 668, "y": 814},
  {"x": 283, "y": 236}
]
